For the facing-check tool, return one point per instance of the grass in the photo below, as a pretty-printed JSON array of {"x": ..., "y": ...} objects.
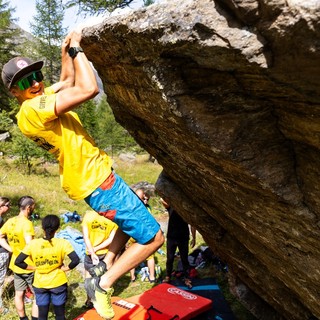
[{"x": 44, "y": 185}]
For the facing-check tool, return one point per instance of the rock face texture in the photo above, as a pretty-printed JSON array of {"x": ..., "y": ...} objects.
[{"x": 226, "y": 96}]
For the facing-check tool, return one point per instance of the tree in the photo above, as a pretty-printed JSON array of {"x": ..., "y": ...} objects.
[
  {"x": 47, "y": 28},
  {"x": 148, "y": 2},
  {"x": 24, "y": 149},
  {"x": 18, "y": 145},
  {"x": 110, "y": 134},
  {"x": 88, "y": 116},
  {"x": 8, "y": 34},
  {"x": 99, "y": 121},
  {"x": 96, "y": 7},
  {"x": 5, "y": 121}
]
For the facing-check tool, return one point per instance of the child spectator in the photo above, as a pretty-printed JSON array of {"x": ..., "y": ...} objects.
[{"x": 98, "y": 233}]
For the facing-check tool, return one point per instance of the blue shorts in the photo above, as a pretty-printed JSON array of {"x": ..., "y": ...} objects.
[
  {"x": 114, "y": 200},
  {"x": 57, "y": 296}
]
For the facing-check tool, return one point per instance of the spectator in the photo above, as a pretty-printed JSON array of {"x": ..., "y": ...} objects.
[
  {"x": 144, "y": 196},
  {"x": 98, "y": 233},
  {"x": 47, "y": 255},
  {"x": 150, "y": 263},
  {"x": 46, "y": 117},
  {"x": 150, "y": 260},
  {"x": 14, "y": 235},
  {"x": 178, "y": 237},
  {"x": 4, "y": 254}
]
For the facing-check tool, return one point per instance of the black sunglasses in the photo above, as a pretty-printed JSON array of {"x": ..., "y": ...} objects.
[
  {"x": 6, "y": 205},
  {"x": 27, "y": 81}
]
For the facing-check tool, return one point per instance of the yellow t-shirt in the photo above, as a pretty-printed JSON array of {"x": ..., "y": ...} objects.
[
  {"x": 16, "y": 229},
  {"x": 99, "y": 229},
  {"x": 48, "y": 258},
  {"x": 83, "y": 166}
]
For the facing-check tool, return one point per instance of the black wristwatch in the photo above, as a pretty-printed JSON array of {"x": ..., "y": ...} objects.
[{"x": 73, "y": 51}]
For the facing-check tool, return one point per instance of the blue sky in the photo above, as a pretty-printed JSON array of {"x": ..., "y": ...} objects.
[{"x": 26, "y": 9}]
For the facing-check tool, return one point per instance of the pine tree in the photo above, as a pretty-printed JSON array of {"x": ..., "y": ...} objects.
[
  {"x": 88, "y": 116},
  {"x": 98, "y": 119},
  {"x": 8, "y": 34},
  {"x": 111, "y": 136},
  {"x": 47, "y": 28},
  {"x": 95, "y": 7},
  {"x": 148, "y": 2},
  {"x": 24, "y": 149}
]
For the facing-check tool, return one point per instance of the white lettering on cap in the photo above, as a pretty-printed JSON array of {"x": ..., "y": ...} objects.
[{"x": 21, "y": 64}]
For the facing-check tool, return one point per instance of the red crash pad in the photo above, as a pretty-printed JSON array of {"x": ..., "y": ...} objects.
[
  {"x": 177, "y": 303},
  {"x": 162, "y": 302},
  {"x": 122, "y": 308}
]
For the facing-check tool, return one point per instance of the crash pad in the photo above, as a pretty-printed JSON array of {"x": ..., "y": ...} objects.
[
  {"x": 176, "y": 302},
  {"x": 162, "y": 302}
]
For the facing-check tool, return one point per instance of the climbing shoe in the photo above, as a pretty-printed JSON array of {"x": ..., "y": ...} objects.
[{"x": 101, "y": 298}]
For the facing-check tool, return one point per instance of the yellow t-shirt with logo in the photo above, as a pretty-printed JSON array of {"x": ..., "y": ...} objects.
[
  {"x": 16, "y": 229},
  {"x": 48, "y": 256},
  {"x": 99, "y": 229},
  {"x": 83, "y": 166}
]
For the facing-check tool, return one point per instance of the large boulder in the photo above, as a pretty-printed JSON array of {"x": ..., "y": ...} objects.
[{"x": 226, "y": 96}]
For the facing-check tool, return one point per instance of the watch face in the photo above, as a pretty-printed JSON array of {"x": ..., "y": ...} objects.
[{"x": 72, "y": 52}]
